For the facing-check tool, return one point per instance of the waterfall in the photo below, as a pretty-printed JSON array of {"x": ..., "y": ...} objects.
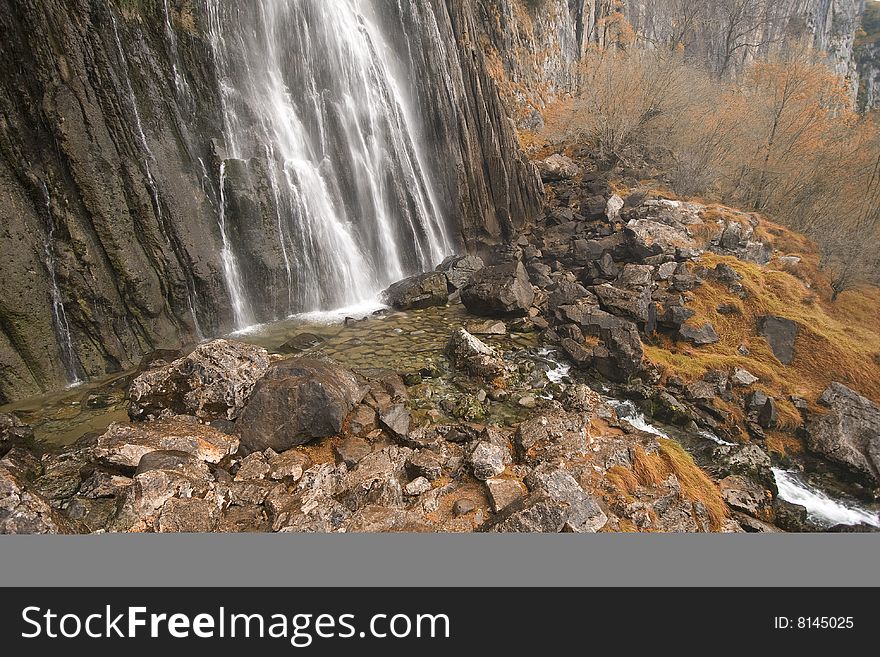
[
  {"x": 151, "y": 182},
  {"x": 314, "y": 89},
  {"x": 59, "y": 315}
]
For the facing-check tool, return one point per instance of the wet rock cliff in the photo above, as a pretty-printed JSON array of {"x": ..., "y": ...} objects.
[{"x": 128, "y": 222}]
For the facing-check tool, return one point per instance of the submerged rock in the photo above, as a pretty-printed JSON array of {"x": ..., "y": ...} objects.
[
  {"x": 499, "y": 291},
  {"x": 849, "y": 433},
  {"x": 298, "y": 401},
  {"x": 213, "y": 382}
]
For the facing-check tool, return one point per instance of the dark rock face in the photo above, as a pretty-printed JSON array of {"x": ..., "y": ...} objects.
[
  {"x": 499, "y": 291},
  {"x": 417, "y": 292},
  {"x": 213, "y": 382},
  {"x": 134, "y": 218},
  {"x": 849, "y": 433},
  {"x": 13, "y": 433},
  {"x": 460, "y": 269},
  {"x": 620, "y": 355},
  {"x": 298, "y": 401},
  {"x": 780, "y": 334}
]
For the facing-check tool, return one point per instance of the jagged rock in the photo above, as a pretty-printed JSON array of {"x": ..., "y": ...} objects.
[
  {"x": 25, "y": 512},
  {"x": 362, "y": 421},
  {"x": 460, "y": 269},
  {"x": 504, "y": 492},
  {"x": 748, "y": 496},
  {"x": 675, "y": 316},
  {"x": 557, "y": 167},
  {"x": 288, "y": 466},
  {"x": 743, "y": 378},
  {"x": 746, "y": 460},
  {"x": 472, "y": 354},
  {"x": 635, "y": 306},
  {"x": 613, "y": 207},
  {"x": 699, "y": 336},
  {"x": 568, "y": 293},
  {"x": 104, "y": 484},
  {"x": 417, "y": 486},
  {"x": 647, "y": 238},
  {"x": 417, "y": 292},
  {"x": 181, "y": 462},
  {"x": 463, "y": 507},
  {"x": 61, "y": 476},
  {"x": 377, "y": 479},
  {"x": 585, "y": 515},
  {"x": 298, "y": 401},
  {"x": 213, "y": 382},
  {"x": 353, "y": 450},
  {"x": 580, "y": 398},
  {"x": 125, "y": 444},
  {"x": 397, "y": 421},
  {"x": 849, "y": 433},
  {"x": 190, "y": 515},
  {"x": 143, "y": 502},
  {"x": 13, "y": 433},
  {"x": 538, "y": 514},
  {"x": 780, "y": 334},
  {"x": 551, "y": 437},
  {"x": 488, "y": 460},
  {"x": 499, "y": 291},
  {"x": 620, "y": 355},
  {"x": 425, "y": 463},
  {"x": 253, "y": 467},
  {"x": 579, "y": 353},
  {"x": 791, "y": 517}
]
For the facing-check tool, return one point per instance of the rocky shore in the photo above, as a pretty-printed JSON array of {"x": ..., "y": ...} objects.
[{"x": 233, "y": 437}]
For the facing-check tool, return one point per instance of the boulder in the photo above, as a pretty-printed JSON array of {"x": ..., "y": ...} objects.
[
  {"x": 585, "y": 515},
  {"x": 124, "y": 445},
  {"x": 743, "y": 378},
  {"x": 25, "y": 512},
  {"x": 780, "y": 334},
  {"x": 460, "y": 269},
  {"x": 636, "y": 306},
  {"x": 397, "y": 421},
  {"x": 298, "y": 401},
  {"x": 504, "y": 492},
  {"x": 13, "y": 433},
  {"x": 699, "y": 336},
  {"x": 473, "y": 355},
  {"x": 499, "y": 291},
  {"x": 213, "y": 382},
  {"x": 352, "y": 450},
  {"x": 557, "y": 167},
  {"x": 551, "y": 437},
  {"x": 849, "y": 433},
  {"x": 647, "y": 238},
  {"x": 417, "y": 292},
  {"x": 748, "y": 496},
  {"x": 613, "y": 207},
  {"x": 488, "y": 460},
  {"x": 620, "y": 355}
]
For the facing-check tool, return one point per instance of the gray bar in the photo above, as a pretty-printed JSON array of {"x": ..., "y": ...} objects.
[{"x": 441, "y": 560}]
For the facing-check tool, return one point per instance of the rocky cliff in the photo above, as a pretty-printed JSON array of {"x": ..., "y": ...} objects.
[
  {"x": 122, "y": 198},
  {"x": 536, "y": 45}
]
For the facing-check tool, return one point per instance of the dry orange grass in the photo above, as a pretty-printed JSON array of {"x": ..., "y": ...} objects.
[
  {"x": 652, "y": 470},
  {"x": 836, "y": 341}
]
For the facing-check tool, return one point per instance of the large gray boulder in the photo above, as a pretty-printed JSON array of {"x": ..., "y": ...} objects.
[
  {"x": 780, "y": 334},
  {"x": 499, "y": 291},
  {"x": 849, "y": 433},
  {"x": 460, "y": 269},
  {"x": 417, "y": 292},
  {"x": 620, "y": 355},
  {"x": 298, "y": 401},
  {"x": 557, "y": 167},
  {"x": 214, "y": 382}
]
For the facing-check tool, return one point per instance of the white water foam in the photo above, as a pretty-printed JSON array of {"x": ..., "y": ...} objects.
[{"x": 822, "y": 509}]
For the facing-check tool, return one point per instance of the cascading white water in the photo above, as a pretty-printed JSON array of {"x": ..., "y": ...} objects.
[
  {"x": 151, "y": 182},
  {"x": 313, "y": 88},
  {"x": 181, "y": 86},
  {"x": 62, "y": 326},
  {"x": 822, "y": 509},
  {"x": 243, "y": 315}
]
